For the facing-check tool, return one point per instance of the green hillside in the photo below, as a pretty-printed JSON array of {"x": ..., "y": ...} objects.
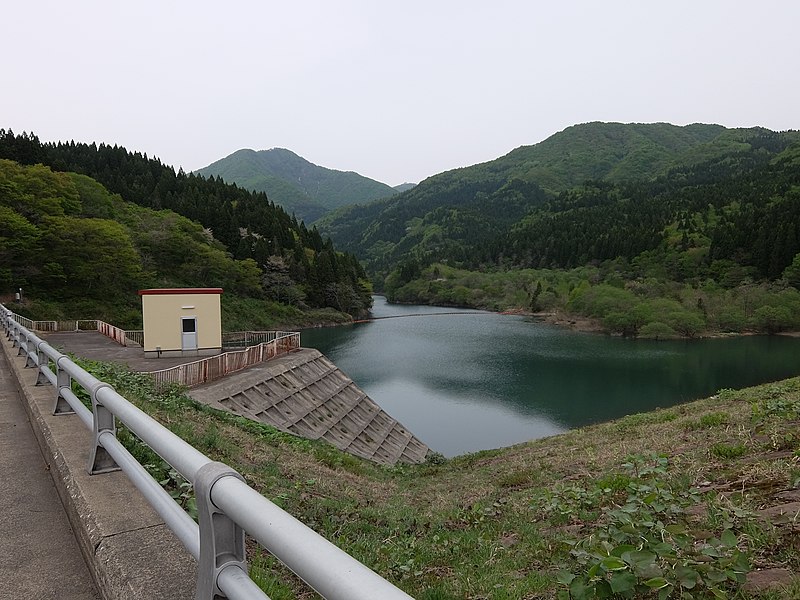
[
  {"x": 607, "y": 151},
  {"x": 464, "y": 216},
  {"x": 645, "y": 229},
  {"x": 299, "y": 186},
  {"x": 81, "y": 237}
]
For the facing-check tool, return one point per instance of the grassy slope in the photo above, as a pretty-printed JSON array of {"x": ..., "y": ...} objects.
[{"x": 501, "y": 524}]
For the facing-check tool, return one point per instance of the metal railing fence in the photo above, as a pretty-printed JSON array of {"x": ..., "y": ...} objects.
[
  {"x": 134, "y": 337},
  {"x": 227, "y": 506},
  {"x": 259, "y": 346},
  {"x": 120, "y": 336},
  {"x": 218, "y": 366},
  {"x": 245, "y": 339}
]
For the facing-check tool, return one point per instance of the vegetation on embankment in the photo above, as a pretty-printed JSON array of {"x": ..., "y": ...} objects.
[
  {"x": 609, "y": 297},
  {"x": 668, "y": 504},
  {"x": 238, "y": 313}
]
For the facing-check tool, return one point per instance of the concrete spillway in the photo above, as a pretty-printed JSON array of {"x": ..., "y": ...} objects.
[{"x": 305, "y": 394}]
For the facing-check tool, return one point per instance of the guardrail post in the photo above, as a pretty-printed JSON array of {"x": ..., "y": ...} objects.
[
  {"x": 100, "y": 461},
  {"x": 63, "y": 381},
  {"x": 43, "y": 361},
  {"x": 221, "y": 539},
  {"x": 30, "y": 361}
]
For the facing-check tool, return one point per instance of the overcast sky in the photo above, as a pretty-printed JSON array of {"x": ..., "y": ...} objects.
[{"x": 395, "y": 91}]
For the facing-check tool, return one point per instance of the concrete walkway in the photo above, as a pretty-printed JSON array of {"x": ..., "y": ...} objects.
[
  {"x": 40, "y": 556},
  {"x": 95, "y": 346}
]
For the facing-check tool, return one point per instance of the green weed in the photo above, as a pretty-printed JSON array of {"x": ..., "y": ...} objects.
[
  {"x": 514, "y": 479},
  {"x": 644, "y": 546},
  {"x": 728, "y": 451}
]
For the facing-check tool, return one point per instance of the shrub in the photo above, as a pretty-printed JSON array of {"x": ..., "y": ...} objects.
[{"x": 657, "y": 331}]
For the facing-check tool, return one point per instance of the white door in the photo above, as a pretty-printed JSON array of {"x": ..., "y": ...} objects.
[{"x": 189, "y": 333}]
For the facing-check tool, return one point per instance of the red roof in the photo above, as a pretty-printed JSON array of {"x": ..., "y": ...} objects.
[{"x": 177, "y": 291}]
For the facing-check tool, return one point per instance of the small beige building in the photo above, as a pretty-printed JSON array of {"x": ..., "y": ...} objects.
[{"x": 182, "y": 321}]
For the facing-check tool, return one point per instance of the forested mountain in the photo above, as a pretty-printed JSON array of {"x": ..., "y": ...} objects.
[
  {"x": 299, "y": 186},
  {"x": 60, "y": 232},
  {"x": 534, "y": 205},
  {"x": 651, "y": 230}
]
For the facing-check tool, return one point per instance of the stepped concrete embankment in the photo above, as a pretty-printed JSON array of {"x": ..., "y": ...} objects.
[
  {"x": 305, "y": 394},
  {"x": 130, "y": 552}
]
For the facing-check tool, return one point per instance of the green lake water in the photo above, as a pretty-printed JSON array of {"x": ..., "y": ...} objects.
[{"x": 465, "y": 382}]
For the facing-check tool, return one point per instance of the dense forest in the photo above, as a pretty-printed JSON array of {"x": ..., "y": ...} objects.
[
  {"x": 554, "y": 201},
  {"x": 685, "y": 207},
  {"x": 83, "y": 223}
]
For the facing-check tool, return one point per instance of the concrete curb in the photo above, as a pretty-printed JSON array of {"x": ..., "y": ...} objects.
[{"x": 130, "y": 552}]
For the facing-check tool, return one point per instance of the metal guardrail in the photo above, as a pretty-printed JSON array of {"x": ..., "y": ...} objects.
[
  {"x": 51, "y": 326},
  {"x": 227, "y": 506},
  {"x": 259, "y": 346},
  {"x": 245, "y": 339}
]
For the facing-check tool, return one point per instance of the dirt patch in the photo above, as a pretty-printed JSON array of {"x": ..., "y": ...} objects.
[
  {"x": 781, "y": 513},
  {"x": 767, "y": 579},
  {"x": 574, "y": 322}
]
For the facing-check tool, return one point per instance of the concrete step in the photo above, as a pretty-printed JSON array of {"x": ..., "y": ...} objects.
[{"x": 304, "y": 393}]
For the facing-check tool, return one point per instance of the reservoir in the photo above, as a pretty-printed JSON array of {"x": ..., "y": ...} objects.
[{"x": 463, "y": 381}]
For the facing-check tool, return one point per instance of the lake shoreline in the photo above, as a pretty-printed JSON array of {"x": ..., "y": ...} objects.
[
  {"x": 589, "y": 325},
  {"x": 572, "y": 322}
]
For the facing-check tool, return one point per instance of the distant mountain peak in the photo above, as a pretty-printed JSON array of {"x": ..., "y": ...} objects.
[{"x": 300, "y": 186}]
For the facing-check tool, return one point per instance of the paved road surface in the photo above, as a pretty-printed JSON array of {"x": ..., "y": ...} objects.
[{"x": 39, "y": 554}]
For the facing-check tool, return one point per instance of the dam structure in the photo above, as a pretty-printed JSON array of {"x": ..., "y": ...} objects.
[
  {"x": 137, "y": 542},
  {"x": 299, "y": 392},
  {"x": 305, "y": 394}
]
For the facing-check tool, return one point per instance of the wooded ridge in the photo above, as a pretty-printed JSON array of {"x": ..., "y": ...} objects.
[
  {"x": 600, "y": 221},
  {"x": 639, "y": 204},
  {"x": 87, "y": 225}
]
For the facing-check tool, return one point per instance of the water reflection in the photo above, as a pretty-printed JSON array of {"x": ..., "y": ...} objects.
[{"x": 466, "y": 382}]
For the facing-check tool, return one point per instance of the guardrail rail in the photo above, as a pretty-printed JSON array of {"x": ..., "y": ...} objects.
[{"x": 227, "y": 507}]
